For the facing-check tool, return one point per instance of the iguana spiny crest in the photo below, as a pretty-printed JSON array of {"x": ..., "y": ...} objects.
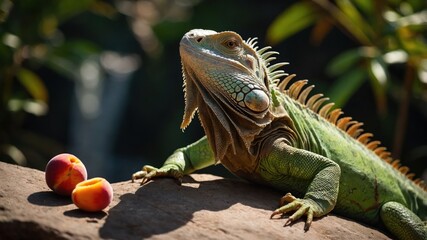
[{"x": 253, "y": 93}]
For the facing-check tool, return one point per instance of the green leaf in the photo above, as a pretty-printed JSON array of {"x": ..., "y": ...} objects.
[
  {"x": 321, "y": 28},
  {"x": 358, "y": 24},
  {"x": 36, "y": 107},
  {"x": 422, "y": 71},
  {"x": 294, "y": 19},
  {"x": 5, "y": 7},
  {"x": 346, "y": 86},
  {"x": 397, "y": 56},
  {"x": 413, "y": 43},
  {"x": 14, "y": 153},
  {"x": 366, "y": 6},
  {"x": 62, "y": 66},
  {"x": 379, "y": 78},
  {"x": 68, "y": 8},
  {"x": 345, "y": 18},
  {"x": 33, "y": 84},
  {"x": 67, "y": 58},
  {"x": 378, "y": 71},
  {"x": 343, "y": 62}
]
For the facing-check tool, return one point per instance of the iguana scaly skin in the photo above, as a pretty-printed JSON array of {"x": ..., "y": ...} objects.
[{"x": 267, "y": 132}]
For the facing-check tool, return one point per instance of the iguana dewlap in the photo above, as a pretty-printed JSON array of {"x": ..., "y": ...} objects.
[{"x": 275, "y": 133}]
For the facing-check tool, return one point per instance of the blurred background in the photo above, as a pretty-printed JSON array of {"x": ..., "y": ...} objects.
[{"x": 102, "y": 79}]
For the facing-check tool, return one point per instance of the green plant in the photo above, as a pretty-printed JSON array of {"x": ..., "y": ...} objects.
[
  {"x": 388, "y": 33},
  {"x": 31, "y": 38}
]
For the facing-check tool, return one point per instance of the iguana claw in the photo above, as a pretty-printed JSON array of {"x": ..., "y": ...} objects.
[
  {"x": 138, "y": 175},
  {"x": 149, "y": 172},
  {"x": 300, "y": 206}
]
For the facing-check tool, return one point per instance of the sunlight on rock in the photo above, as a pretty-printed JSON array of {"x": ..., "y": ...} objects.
[{"x": 191, "y": 185}]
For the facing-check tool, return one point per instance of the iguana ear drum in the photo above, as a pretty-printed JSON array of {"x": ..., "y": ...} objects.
[{"x": 257, "y": 100}]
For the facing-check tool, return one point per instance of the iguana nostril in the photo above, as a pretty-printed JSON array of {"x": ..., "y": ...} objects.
[{"x": 199, "y": 39}]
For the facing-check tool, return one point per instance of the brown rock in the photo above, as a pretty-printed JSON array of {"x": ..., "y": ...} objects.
[{"x": 205, "y": 206}]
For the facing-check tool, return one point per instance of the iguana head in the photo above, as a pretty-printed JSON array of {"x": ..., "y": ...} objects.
[{"x": 227, "y": 80}]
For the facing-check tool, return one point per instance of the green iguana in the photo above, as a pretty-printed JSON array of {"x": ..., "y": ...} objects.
[{"x": 270, "y": 133}]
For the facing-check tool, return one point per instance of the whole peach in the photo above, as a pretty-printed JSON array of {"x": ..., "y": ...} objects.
[
  {"x": 63, "y": 172},
  {"x": 93, "y": 195}
]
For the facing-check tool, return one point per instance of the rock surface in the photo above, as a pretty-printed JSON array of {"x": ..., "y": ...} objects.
[{"x": 205, "y": 206}]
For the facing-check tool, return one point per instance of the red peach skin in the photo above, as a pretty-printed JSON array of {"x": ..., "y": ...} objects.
[
  {"x": 63, "y": 172},
  {"x": 93, "y": 195}
]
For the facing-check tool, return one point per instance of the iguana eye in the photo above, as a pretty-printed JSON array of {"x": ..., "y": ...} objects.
[{"x": 231, "y": 44}]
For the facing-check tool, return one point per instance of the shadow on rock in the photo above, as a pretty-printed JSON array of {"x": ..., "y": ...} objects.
[
  {"x": 77, "y": 213},
  {"x": 162, "y": 206},
  {"x": 48, "y": 198}
]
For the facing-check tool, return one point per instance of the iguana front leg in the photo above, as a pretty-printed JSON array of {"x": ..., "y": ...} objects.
[
  {"x": 183, "y": 161},
  {"x": 298, "y": 169}
]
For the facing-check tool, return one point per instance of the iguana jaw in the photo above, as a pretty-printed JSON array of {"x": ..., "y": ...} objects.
[{"x": 225, "y": 66}]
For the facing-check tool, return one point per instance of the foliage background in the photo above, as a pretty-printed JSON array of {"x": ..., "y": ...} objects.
[{"x": 102, "y": 79}]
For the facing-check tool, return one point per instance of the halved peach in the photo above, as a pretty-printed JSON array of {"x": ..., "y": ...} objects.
[{"x": 93, "y": 195}]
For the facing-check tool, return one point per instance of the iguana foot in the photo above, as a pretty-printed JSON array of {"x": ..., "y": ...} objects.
[
  {"x": 149, "y": 172},
  {"x": 301, "y": 207}
]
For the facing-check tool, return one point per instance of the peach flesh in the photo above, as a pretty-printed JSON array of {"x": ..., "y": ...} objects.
[{"x": 93, "y": 195}]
